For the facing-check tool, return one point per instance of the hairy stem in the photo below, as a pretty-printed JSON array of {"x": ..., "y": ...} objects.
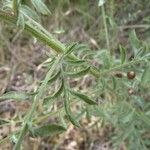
[{"x": 56, "y": 45}]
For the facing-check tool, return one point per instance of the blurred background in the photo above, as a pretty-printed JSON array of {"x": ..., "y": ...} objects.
[{"x": 71, "y": 21}]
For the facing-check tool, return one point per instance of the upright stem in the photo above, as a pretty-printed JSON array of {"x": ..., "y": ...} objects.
[
  {"x": 105, "y": 27},
  {"x": 15, "y": 7}
]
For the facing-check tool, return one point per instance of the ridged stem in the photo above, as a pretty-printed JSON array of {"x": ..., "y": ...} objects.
[{"x": 56, "y": 45}]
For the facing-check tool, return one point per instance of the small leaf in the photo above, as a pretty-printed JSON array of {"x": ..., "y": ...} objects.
[
  {"x": 79, "y": 73},
  {"x": 59, "y": 90},
  {"x": 24, "y": 9},
  {"x": 55, "y": 95},
  {"x": 70, "y": 48},
  {"x": 20, "y": 21},
  {"x": 74, "y": 47},
  {"x": 68, "y": 111},
  {"x": 123, "y": 54},
  {"x": 41, "y": 7},
  {"x": 83, "y": 97},
  {"x": 48, "y": 130},
  {"x": 16, "y": 96},
  {"x": 54, "y": 77},
  {"x": 146, "y": 56},
  {"x": 101, "y": 3},
  {"x": 76, "y": 62},
  {"x": 7, "y": 5},
  {"x": 142, "y": 51},
  {"x": 111, "y": 21},
  {"x": 135, "y": 43},
  {"x": 62, "y": 120},
  {"x": 72, "y": 118},
  {"x": 145, "y": 79}
]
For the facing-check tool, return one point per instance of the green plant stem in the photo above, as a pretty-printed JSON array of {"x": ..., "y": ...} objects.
[
  {"x": 105, "y": 27},
  {"x": 56, "y": 45},
  {"x": 59, "y": 47},
  {"x": 15, "y": 7},
  {"x": 127, "y": 64},
  {"x": 35, "y": 103}
]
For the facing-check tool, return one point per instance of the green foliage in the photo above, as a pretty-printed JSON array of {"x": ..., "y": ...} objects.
[
  {"x": 134, "y": 42},
  {"x": 123, "y": 54},
  {"x": 16, "y": 96},
  {"x": 47, "y": 130},
  {"x": 117, "y": 101},
  {"x": 145, "y": 80},
  {"x": 69, "y": 114},
  {"x": 84, "y": 98},
  {"x": 40, "y": 7},
  {"x": 78, "y": 73}
]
